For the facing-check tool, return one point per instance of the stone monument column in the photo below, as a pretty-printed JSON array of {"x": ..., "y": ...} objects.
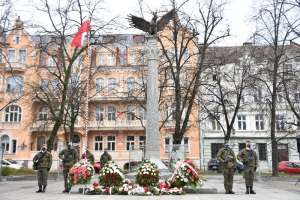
[{"x": 152, "y": 115}]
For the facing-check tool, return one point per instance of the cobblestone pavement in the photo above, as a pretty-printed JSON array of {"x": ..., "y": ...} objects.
[{"x": 266, "y": 189}]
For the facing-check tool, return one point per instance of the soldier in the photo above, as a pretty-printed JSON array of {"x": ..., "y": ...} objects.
[
  {"x": 228, "y": 163},
  {"x": 69, "y": 157},
  {"x": 43, "y": 162},
  {"x": 105, "y": 157},
  {"x": 248, "y": 157},
  {"x": 89, "y": 156}
]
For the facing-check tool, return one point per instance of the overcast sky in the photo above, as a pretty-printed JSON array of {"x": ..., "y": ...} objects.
[{"x": 237, "y": 14}]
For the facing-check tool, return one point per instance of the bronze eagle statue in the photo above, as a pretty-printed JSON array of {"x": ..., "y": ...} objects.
[{"x": 154, "y": 25}]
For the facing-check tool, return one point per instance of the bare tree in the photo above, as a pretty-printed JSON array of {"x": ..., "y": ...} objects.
[
  {"x": 56, "y": 92},
  {"x": 274, "y": 30},
  {"x": 226, "y": 86}
]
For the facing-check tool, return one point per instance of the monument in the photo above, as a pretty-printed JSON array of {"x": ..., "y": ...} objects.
[{"x": 152, "y": 150}]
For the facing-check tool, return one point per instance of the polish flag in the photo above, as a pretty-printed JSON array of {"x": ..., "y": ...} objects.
[{"x": 77, "y": 40}]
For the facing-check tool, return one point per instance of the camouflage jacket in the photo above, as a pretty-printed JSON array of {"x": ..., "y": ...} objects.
[
  {"x": 43, "y": 160},
  {"x": 89, "y": 156},
  {"x": 248, "y": 158},
  {"x": 227, "y": 158},
  {"x": 69, "y": 157},
  {"x": 105, "y": 158}
]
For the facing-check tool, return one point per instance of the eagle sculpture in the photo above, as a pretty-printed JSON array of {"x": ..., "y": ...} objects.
[{"x": 154, "y": 25}]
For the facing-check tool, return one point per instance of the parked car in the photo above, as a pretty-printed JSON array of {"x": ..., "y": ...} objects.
[
  {"x": 213, "y": 164},
  {"x": 289, "y": 167},
  {"x": 11, "y": 164}
]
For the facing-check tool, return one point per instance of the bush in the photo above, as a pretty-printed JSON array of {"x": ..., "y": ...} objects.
[{"x": 6, "y": 171}]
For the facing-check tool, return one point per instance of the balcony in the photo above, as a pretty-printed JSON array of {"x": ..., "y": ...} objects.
[
  {"x": 41, "y": 126},
  {"x": 116, "y": 125},
  {"x": 10, "y": 125},
  {"x": 115, "y": 97},
  {"x": 14, "y": 67}
]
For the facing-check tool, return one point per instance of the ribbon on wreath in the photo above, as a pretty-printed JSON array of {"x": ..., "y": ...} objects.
[{"x": 183, "y": 163}]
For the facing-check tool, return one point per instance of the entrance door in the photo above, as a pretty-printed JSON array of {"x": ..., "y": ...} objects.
[{"x": 283, "y": 152}]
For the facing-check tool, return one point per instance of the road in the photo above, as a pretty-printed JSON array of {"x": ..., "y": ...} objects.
[{"x": 265, "y": 189}]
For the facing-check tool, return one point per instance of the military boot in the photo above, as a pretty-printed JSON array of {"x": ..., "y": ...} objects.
[
  {"x": 40, "y": 189},
  {"x": 247, "y": 190},
  {"x": 44, "y": 188},
  {"x": 251, "y": 190}
]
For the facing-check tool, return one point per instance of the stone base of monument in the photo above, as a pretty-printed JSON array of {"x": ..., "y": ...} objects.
[{"x": 200, "y": 190}]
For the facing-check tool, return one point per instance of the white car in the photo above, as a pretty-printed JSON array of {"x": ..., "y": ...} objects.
[{"x": 11, "y": 164}]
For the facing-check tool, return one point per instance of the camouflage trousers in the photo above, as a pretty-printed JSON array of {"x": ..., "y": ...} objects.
[
  {"x": 66, "y": 177},
  {"x": 228, "y": 178},
  {"x": 249, "y": 176},
  {"x": 42, "y": 176}
]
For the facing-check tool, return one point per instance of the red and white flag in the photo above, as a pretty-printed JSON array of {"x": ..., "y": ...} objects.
[{"x": 77, "y": 40}]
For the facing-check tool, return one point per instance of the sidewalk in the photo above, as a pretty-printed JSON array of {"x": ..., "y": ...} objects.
[{"x": 275, "y": 190}]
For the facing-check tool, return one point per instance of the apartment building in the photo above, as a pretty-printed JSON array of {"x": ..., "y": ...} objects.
[
  {"x": 116, "y": 115},
  {"x": 253, "y": 119}
]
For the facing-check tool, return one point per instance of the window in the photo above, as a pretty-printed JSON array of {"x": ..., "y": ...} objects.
[
  {"x": 99, "y": 113},
  {"x": 258, "y": 95},
  {"x": 280, "y": 125},
  {"x": 11, "y": 55},
  {"x": 297, "y": 97},
  {"x": 17, "y": 40},
  {"x": 41, "y": 140},
  {"x": 76, "y": 139},
  {"x": 98, "y": 143},
  {"x": 22, "y": 56},
  {"x": 43, "y": 113},
  {"x": 55, "y": 84},
  {"x": 101, "y": 60},
  {"x": 99, "y": 84},
  {"x": 130, "y": 143},
  {"x": 51, "y": 61},
  {"x": 241, "y": 122},
  {"x": 242, "y": 146},
  {"x": 5, "y": 143},
  {"x": 130, "y": 113},
  {"x": 168, "y": 145},
  {"x": 259, "y": 122},
  {"x": 142, "y": 113},
  {"x": 279, "y": 98},
  {"x": 112, "y": 84},
  {"x": 111, "y": 113},
  {"x": 170, "y": 112},
  {"x": 262, "y": 151},
  {"x": 130, "y": 84},
  {"x": 186, "y": 144},
  {"x": 142, "y": 140},
  {"x": 14, "y": 84},
  {"x": 123, "y": 56},
  {"x": 13, "y": 113},
  {"x": 133, "y": 58},
  {"x": 215, "y": 125},
  {"x": 215, "y": 147},
  {"x": 186, "y": 55},
  {"x": 111, "y": 143},
  {"x": 14, "y": 146},
  {"x": 110, "y": 60},
  {"x": 44, "y": 84}
]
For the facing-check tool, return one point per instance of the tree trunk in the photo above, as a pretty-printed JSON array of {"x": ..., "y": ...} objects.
[{"x": 53, "y": 135}]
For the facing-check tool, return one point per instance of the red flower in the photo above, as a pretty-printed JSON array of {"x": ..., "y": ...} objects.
[{"x": 146, "y": 189}]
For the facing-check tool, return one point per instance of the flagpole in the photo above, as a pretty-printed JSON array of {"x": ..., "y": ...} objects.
[{"x": 87, "y": 95}]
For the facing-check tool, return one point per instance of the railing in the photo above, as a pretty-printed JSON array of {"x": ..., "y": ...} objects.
[
  {"x": 115, "y": 96},
  {"x": 10, "y": 125},
  {"x": 117, "y": 125},
  {"x": 14, "y": 66}
]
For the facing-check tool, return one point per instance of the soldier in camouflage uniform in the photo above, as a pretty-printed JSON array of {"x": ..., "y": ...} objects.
[
  {"x": 89, "y": 156},
  {"x": 248, "y": 157},
  {"x": 228, "y": 163},
  {"x": 69, "y": 157},
  {"x": 43, "y": 159},
  {"x": 105, "y": 157}
]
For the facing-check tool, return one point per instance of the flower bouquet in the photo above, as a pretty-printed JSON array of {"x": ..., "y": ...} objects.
[
  {"x": 111, "y": 175},
  {"x": 148, "y": 174},
  {"x": 185, "y": 174},
  {"x": 81, "y": 173},
  {"x": 126, "y": 187}
]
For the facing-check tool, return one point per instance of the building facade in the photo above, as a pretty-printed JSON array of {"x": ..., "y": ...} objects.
[
  {"x": 252, "y": 121},
  {"x": 116, "y": 115}
]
